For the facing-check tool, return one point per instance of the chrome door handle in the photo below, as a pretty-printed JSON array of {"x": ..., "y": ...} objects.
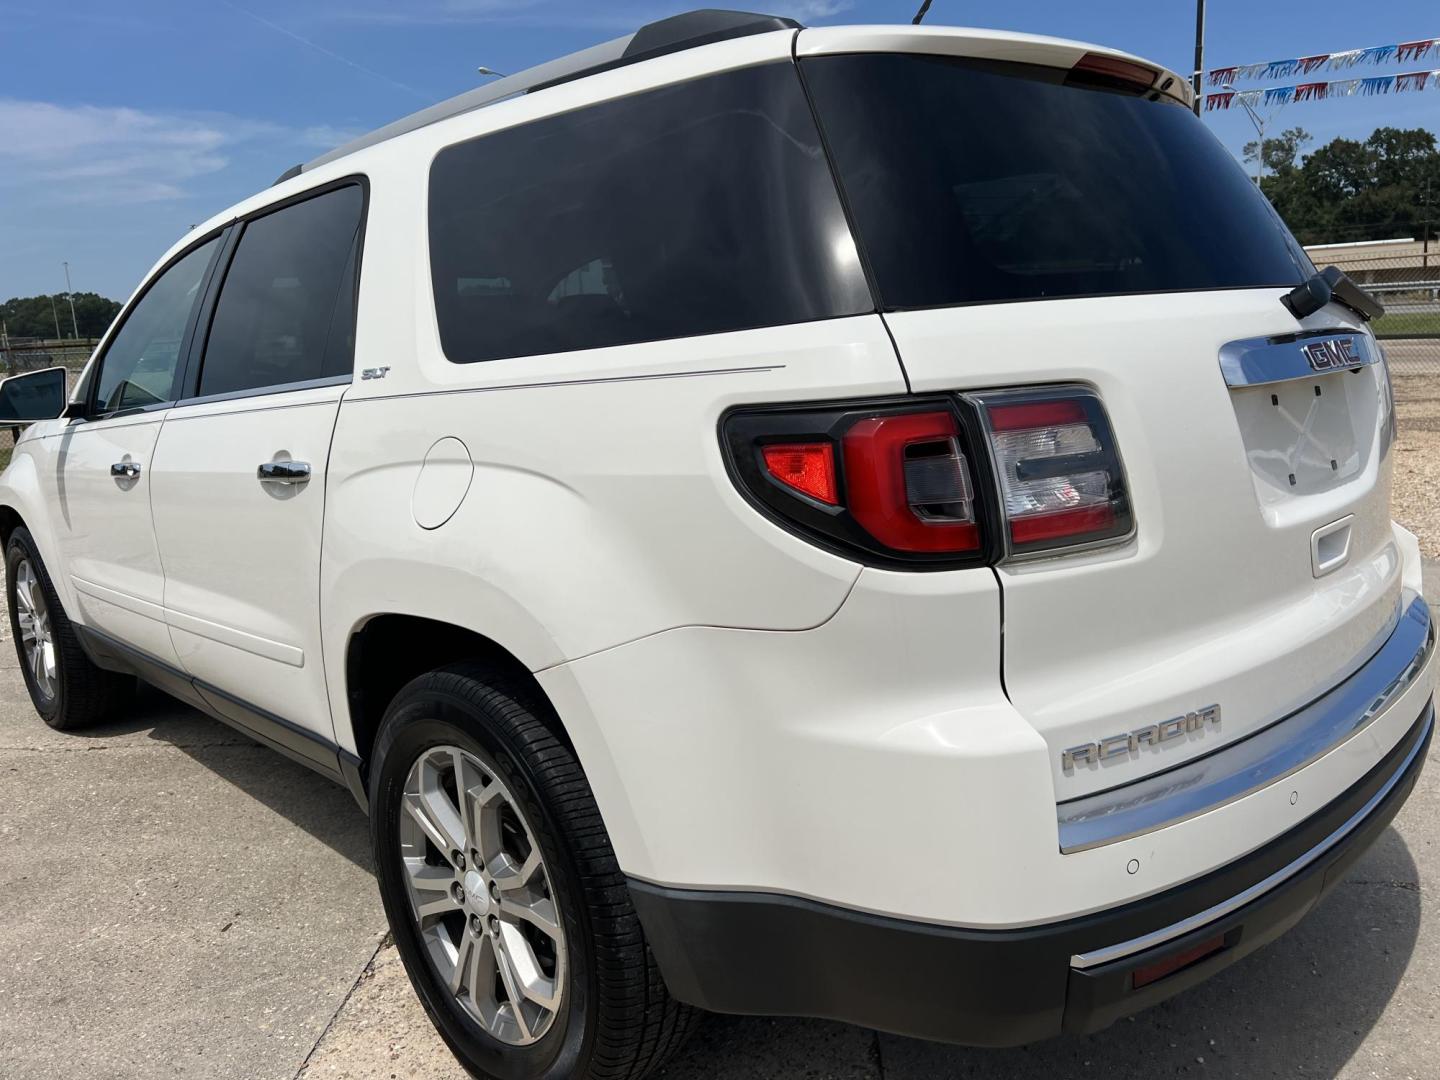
[
  {"x": 283, "y": 472},
  {"x": 125, "y": 470}
]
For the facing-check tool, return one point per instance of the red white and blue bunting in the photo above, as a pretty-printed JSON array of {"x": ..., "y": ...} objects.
[
  {"x": 1319, "y": 91},
  {"x": 1407, "y": 52}
]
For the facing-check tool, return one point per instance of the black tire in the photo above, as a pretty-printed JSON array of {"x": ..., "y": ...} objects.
[
  {"x": 83, "y": 694},
  {"x": 616, "y": 1021}
]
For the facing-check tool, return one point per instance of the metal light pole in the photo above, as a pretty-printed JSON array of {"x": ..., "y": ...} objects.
[
  {"x": 56, "y": 313},
  {"x": 489, "y": 72},
  {"x": 70, "y": 295},
  {"x": 1199, "y": 50},
  {"x": 1259, "y": 130}
]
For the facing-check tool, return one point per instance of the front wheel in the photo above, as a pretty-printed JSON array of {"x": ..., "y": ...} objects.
[
  {"x": 502, "y": 891},
  {"x": 66, "y": 688}
]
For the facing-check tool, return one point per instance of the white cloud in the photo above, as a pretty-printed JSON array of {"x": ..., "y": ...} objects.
[
  {"x": 109, "y": 155},
  {"x": 812, "y": 9}
]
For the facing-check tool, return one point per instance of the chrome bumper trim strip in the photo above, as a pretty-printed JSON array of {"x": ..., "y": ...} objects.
[
  {"x": 1199, "y": 920},
  {"x": 1264, "y": 758}
]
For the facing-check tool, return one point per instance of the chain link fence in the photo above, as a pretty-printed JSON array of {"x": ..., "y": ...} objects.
[
  {"x": 28, "y": 354},
  {"x": 1404, "y": 275}
]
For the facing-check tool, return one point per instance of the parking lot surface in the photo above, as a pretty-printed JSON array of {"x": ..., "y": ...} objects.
[{"x": 176, "y": 901}]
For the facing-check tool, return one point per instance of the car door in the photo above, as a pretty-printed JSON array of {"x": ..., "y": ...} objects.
[
  {"x": 104, "y": 459},
  {"x": 238, "y": 490}
]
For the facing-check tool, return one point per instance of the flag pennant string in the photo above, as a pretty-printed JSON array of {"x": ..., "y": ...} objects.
[
  {"x": 1407, "y": 52},
  {"x": 1408, "y": 82}
]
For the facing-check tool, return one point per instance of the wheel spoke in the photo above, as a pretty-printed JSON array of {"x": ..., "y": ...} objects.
[
  {"x": 510, "y": 880},
  {"x": 539, "y": 913},
  {"x": 430, "y": 889},
  {"x": 464, "y": 773},
  {"x": 47, "y": 663},
  {"x": 531, "y": 982},
  {"x": 482, "y": 970},
  {"x": 488, "y": 839},
  {"x": 462, "y": 960},
  {"x": 25, "y": 587},
  {"x": 437, "y": 817},
  {"x": 514, "y": 989}
]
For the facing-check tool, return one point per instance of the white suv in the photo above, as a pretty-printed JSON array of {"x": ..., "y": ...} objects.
[{"x": 873, "y": 523}]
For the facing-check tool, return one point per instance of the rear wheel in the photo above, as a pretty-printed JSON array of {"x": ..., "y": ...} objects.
[
  {"x": 503, "y": 894},
  {"x": 66, "y": 688}
]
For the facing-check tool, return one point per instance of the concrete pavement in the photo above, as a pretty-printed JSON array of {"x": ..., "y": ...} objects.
[{"x": 178, "y": 902}]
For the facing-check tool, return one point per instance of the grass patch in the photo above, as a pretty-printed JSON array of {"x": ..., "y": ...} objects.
[{"x": 1409, "y": 324}]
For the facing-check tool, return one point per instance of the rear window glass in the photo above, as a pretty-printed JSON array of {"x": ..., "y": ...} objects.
[
  {"x": 974, "y": 182},
  {"x": 694, "y": 209}
]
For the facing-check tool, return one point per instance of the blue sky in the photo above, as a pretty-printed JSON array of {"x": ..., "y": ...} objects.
[{"x": 123, "y": 124}]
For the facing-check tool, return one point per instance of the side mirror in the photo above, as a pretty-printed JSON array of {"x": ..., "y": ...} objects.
[{"x": 36, "y": 395}]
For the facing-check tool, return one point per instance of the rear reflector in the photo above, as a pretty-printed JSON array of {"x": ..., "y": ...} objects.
[
  {"x": 1061, "y": 484},
  {"x": 809, "y": 468},
  {"x": 1144, "y": 976}
]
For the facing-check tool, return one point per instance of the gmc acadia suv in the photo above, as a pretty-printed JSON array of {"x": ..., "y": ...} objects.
[{"x": 871, "y": 523}]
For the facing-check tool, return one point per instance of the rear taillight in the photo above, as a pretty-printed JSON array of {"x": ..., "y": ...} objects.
[
  {"x": 891, "y": 482},
  {"x": 937, "y": 483},
  {"x": 1056, "y": 467}
]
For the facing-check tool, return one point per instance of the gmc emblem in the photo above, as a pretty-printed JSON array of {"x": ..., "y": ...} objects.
[{"x": 1332, "y": 354}]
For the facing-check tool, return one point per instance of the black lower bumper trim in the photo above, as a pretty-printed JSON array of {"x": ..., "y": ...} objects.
[{"x": 755, "y": 953}]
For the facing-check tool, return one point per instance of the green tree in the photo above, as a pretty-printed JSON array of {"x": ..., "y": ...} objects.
[
  {"x": 33, "y": 316},
  {"x": 1280, "y": 150},
  {"x": 1383, "y": 188}
]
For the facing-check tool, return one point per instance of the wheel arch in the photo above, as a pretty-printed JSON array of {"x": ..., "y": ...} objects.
[{"x": 386, "y": 651}]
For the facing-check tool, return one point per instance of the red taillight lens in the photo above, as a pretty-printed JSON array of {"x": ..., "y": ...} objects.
[
  {"x": 1060, "y": 480},
  {"x": 909, "y": 482},
  {"x": 809, "y": 468}
]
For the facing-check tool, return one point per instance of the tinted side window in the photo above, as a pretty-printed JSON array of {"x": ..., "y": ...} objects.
[
  {"x": 692, "y": 209},
  {"x": 139, "y": 364},
  {"x": 286, "y": 308}
]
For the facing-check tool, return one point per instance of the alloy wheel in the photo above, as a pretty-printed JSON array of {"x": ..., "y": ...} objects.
[
  {"x": 36, "y": 637},
  {"x": 481, "y": 895}
]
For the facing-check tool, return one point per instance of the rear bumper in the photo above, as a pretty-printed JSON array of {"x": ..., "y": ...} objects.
[{"x": 759, "y": 953}]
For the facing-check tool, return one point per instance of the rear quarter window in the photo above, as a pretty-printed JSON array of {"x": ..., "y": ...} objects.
[
  {"x": 975, "y": 182},
  {"x": 694, "y": 209}
]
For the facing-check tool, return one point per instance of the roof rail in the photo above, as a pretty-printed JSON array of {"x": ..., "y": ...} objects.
[{"x": 679, "y": 32}]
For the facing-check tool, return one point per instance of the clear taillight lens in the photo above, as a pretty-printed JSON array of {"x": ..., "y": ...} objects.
[{"x": 1060, "y": 481}]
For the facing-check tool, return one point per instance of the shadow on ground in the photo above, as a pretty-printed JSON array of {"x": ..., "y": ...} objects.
[{"x": 321, "y": 808}]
